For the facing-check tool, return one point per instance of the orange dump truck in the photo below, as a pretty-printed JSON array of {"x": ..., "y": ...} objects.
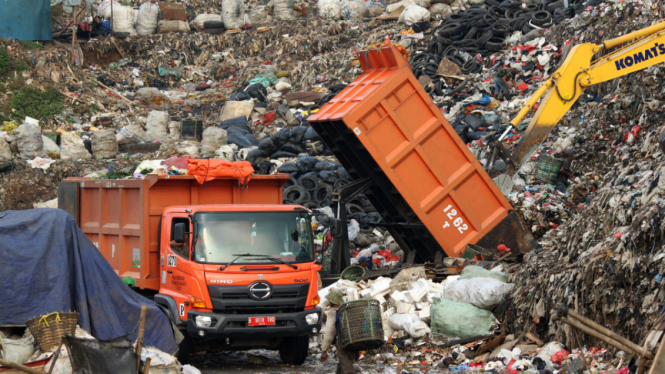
[
  {"x": 233, "y": 266},
  {"x": 433, "y": 195}
]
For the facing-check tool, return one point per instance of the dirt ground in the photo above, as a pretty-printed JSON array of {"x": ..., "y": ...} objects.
[{"x": 257, "y": 362}]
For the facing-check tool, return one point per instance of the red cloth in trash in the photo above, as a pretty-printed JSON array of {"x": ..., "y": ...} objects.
[
  {"x": 523, "y": 86},
  {"x": 207, "y": 170},
  {"x": 559, "y": 357},
  {"x": 386, "y": 254}
]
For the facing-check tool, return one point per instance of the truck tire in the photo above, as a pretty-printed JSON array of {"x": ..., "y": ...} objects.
[
  {"x": 293, "y": 351},
  {"x": 185, "y": 348}
]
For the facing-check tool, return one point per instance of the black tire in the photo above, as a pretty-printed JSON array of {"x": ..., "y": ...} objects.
[
  {"x": 493, "y": 3},
  {"x": 354, "y": 208},
  {"x": 472, "y": 32},
  {"x": 487, "y": 35},
  {"x": 469, "y": 66},
  {"x": 541, "y": 18},
  {"x": 526, "y": 29},
  {"x": 551, "y": 7},
  {"x": 451, "y": 29},
  {"x": 324, "y": 192},
  {"x": 494, "y": 44},
  {"x": 296, "y": 194},
  {"x": 294, "y": 351},
  {"x": 325, "y": 203},
  {"x": 455, "y": 17},
  {"x": 214, "y": 31},
  {"x": 185, "y": 348},
  {"x": 531, "y": 8},
  {"x": 213, "y": 25},
  {"x": 309, "y": 182}
]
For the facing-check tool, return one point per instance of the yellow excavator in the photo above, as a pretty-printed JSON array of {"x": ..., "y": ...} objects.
[{"x": 578, "y": 71}]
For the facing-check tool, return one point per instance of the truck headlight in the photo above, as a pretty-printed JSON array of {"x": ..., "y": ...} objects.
[
  {"x": 203, "y": 321},
  {"x": 312, "y": 318}
]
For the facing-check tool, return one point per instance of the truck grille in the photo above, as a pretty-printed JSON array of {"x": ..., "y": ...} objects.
[{"x": 236, "y": 300}]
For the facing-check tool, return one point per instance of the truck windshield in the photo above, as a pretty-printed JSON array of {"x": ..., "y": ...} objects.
[{"x": 286, "y": 236}]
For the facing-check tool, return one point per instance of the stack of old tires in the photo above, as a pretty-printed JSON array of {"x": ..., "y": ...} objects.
[{"x": 477, "y": 31}]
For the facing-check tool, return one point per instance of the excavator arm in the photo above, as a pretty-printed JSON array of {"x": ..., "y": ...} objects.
[{"x": 577, "y": 72}]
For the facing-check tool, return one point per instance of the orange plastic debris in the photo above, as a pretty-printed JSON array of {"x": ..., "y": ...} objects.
[{"x": 207, "y": 170}]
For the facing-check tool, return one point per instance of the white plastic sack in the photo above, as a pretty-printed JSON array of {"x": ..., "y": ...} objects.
[
  {"x": 439, "y": 9},
  {"x": 131, "y": 134},
  {"x": 202, "y": 18},
  {"x": 17, "y": 350},
  {"x": 329, "y": 329},
  {"x": 104, "y": 9},
  {"x": 213, "y": 137},
  {"x": 330, "y": 9},
  {"x": 476, "y": 2},
  {"x": 226, "y": 152},
  {"x": 410, "y": 323},
  {"x": 376, "y": 9},
  {"x": 156, "y": 126},
  {"x": 146, "y": 165},
  {"x": 50, "y": 148},
  {"x": 414, "y": 14},
  {"x": 259, "y": 15},
  {"x": 189, "y": 147},
  {"x": 233, "y": 14},
  {"x": 147, "y": 17},
  {"x": 189, "y": 369},
  {"x": 423, "y": 3},
  {"x": 160, "y": 362},
  {"x": 485, "y": 293},
  {"x": 123, "y": 19},
  {"x": 164, "y": 27},
  {"x": 73, "y": 148},
  {"x": 354, "y": 10},
  {"x": 396, "y": 5},
  {"x": 29, "y": 141},
  {"x": 104, "y": 144},
  {"x": 5, "y": 150},
  {"x": 283, "y": 10}
]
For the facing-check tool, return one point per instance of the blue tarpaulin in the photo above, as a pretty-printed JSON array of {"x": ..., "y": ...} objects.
[
  {"x": 49, "y": 265},
  {"x": 25, "y": 19}
]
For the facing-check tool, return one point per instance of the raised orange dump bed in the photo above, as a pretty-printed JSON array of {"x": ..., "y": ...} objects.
[
  {"x": 122, "y": 216},
  {"x": 429, "y": 188}
]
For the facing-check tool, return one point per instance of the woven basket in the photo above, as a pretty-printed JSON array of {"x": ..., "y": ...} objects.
[
  {"x": 353, "y": 272},
  {"x": 49, "y": 329},
  {"x": 548, "y": 169},
  {"x": 360, "y": 325}
]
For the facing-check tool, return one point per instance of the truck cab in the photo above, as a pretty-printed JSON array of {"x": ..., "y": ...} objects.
[{"x": 240, "y": 277}]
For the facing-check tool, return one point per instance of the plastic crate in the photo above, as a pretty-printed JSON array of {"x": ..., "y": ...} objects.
[
  {"x": 548, "y": 169},
  {"x": 360, "y": 325}
]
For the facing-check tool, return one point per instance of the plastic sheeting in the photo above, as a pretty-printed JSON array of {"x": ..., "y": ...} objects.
[
  {"x": 207, "y": 170},
  {"x": 49, "y": 265},
  {"x": 20, "y": 24}
]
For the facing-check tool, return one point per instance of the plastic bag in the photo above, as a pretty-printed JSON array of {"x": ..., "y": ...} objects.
[
  {"x": 50, "y": 148},
  {"x": 160, "y": 362},
  {"x": 131, "y": 134},
  {"x": 330, "y": 9},
  {"x": 259, "y": 15},
  {"x": 227, "y": 152},
  {"x": 354, "y": 9},
  {"x": 306, "y": 164},
  {"x": 104, "y": 144},
  {"x": 410, "y": 323},
  {"x": 164, "y": 27},
  {"x": 18, "y": 350},
  {"x": 283, "y": 10},
  {"x": 440, "y": 9},
  {"x": 123, "y": 19},
  {"x": 485, "y": 293},
  {"x": 354, "y": 229},
  {"x": 473, "y": 271},
  {"x": 5, "y": 150},
  {"x": 29, "y": 141},
  {"x": 72, "y": 148},
  {"x": 233, "y": 14},
  {"x": 462, "y": 320},
  {"x": 189, "y": 147},
  {"x": 147, "y": 165},
  {"x": 212, "y": 138},
  {"x": 156, "y": 125},
  {"x": 239, "y": 141},
  {"x": 146, "y": 21}
]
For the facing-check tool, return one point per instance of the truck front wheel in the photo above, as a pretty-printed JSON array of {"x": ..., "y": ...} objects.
[
  {"x": 185, "y": 348},
  {"x": 293, "y": 351}
]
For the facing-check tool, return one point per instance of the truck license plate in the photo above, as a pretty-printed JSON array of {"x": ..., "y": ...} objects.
[{"x": 261, "y": 321}]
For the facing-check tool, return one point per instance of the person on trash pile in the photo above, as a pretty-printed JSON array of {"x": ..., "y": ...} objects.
[
  {"x": 504, "y": 80},
  {"x": 564, "y": 173},
  {"x": 346, "y": 358}
]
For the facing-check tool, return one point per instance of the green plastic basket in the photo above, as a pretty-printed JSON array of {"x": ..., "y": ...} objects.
[
  {"x": 360, "y": 325},
  {"x": 548, "y": 169}
]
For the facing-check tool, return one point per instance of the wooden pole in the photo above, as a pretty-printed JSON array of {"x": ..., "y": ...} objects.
[
  {"x": 20, "y": 367},
  {"x": 139, "y": 340},
  {"x": 112, "y": 20},
  {"x": 54, "y": 358},
  {"x": 73, "y": 34},
  {"x": 630, "y": 350},
  {"x": 146, "y": 367}
]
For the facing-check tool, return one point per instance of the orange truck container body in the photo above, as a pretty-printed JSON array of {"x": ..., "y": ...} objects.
[
  {"x": 122, "y": 216},
  {"x": 384, "y": 126}
]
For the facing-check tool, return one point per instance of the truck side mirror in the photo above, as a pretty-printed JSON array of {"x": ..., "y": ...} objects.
[
  {"x": 336, "y": 228},
  {"x": 179, "y": 233}
]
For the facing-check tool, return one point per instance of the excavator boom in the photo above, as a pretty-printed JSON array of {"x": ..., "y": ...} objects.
[{"x": 577, "y": 72}]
